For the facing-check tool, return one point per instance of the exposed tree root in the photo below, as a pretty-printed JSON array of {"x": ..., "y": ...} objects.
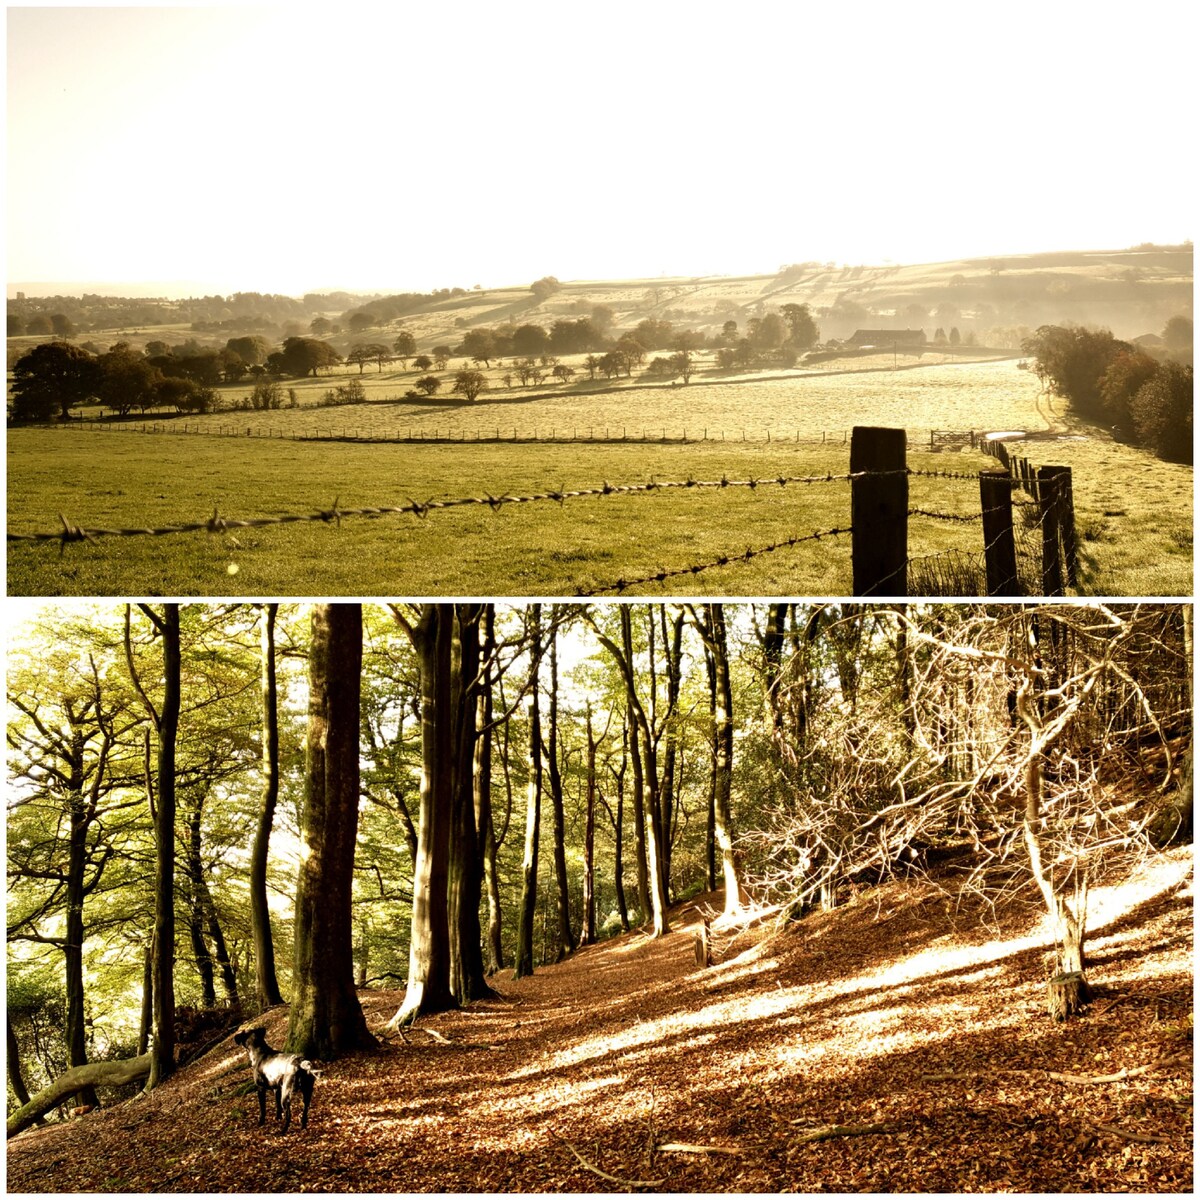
[
  {"x": 689, "y": 1148},
  {"x": 1128, "y": 1134},
  {"x": 1062, "y": 1076},
  {"x": 826, "y": 1132},
  {"x": 583, "y": 1162}
]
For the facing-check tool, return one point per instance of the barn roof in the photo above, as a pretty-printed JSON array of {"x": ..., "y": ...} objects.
[{"x": 885, "y": 337}]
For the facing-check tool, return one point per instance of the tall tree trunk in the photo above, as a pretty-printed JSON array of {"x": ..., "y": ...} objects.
[
  {"x": 710, "y": 819},
  {"x": 326, "y": 1018},
  {"x": 265, "y": 981},
  {"x": 529, "y": 864},
  {"x": 428, "y": 988},
  {"x": 15, "y": 1078},
  {"x": 723, "y": 722},
  {"x": 635, "y": 760},
  {"x": 193, "y": 871},
  {"x": 587, "y": 934},
  {"x": 773, "y": 640},
  {"x": 485, "y": 830},
  {"x": 166, "y": 720},
  {"x": 618, "y": 836},
  {"x": 673, "y": 652},
  {"x": 220, "y": 952},
  {"x": 468, "y": 978},
  {"x": 565, "y": 937},
  {"x": 73, "y": 934},
  {"x": 146, "y": 1024},
  {"x": 623, "y": 656}
]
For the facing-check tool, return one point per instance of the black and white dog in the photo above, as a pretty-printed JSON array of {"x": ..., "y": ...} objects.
[{"x": 282, "y": 1073}]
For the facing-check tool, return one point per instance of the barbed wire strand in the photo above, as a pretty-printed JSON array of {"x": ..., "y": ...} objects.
[
  {"x": 724, "y": 560},
  {"x": 219, "y": 524}
]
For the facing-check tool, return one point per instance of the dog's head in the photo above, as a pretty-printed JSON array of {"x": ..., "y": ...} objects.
[{"x": 251, "y": 1037}]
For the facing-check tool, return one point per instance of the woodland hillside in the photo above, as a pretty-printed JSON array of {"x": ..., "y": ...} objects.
[
  {"x": 731, "y": 852},
  {"x": 899, "y": 1043}
]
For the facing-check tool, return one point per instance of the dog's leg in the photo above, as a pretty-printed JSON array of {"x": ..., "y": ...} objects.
[
  {"x": 306, "y": 1091},
  {"x": 262, "y": 1101},
  {"x": 285, "y": 1094}
]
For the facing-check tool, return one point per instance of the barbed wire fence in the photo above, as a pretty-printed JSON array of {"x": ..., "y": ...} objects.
[
  {"x": 938, "y": 439},
  {"x": 1038, "y": 559}
]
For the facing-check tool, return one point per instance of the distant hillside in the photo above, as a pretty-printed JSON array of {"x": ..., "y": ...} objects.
[{"x": 1131, "y": 292}]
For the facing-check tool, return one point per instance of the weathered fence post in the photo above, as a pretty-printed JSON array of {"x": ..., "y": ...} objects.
[
  {"x": 1050, "y": 508},
  {"x": 1066, "y": 498},
  {"x": 879, "y": 511},
  {"x": 999, "y": 545}
]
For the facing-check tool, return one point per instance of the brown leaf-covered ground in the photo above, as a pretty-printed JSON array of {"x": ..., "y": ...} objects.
[{"x": 629, "y": 1051}]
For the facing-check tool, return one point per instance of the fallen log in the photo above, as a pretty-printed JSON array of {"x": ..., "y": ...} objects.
[{"x": 102, "y": 1074}]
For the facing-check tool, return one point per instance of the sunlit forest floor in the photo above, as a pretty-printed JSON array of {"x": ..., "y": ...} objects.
[{"x": 914, "y": 1024}]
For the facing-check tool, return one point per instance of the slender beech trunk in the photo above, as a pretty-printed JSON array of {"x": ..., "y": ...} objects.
[
  {"x": 565, "y": 937},
  {"x": 497, "y": 834},
  {"x": 326, "y": 1018},
  {"x": 166, "y": 723},
  {"x": 220, "y": 952},
  {"x": 146, "y": 1024},
  {"x": 428, "y": 988},
  {"x": 710, "y": 820},
  {"x": 485, "y": 833},
  {"x": 193, "y": 868},
  {"x": 587, "y": 934},
  {"x": 723, "y": 740},
  {"x": 468, "y": 977},
  {"x": 618, "y": 836},
  {"x": 672, "y": 765},
  {"x": 81, "y": 815},
  {"x": 265, "y": 982},
  {"x": 773, "y": 640},
  {"x": 15, "y": 1078},
  {"x": 529, "y": 865},
  {"x": 638, "y": 780},
  {"x": 641, "y": 731}
]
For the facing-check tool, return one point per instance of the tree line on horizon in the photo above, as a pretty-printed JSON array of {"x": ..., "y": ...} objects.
[{"x": 56, "y": 376}]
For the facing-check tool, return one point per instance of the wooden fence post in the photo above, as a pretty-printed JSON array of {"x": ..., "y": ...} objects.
[
  {"x": 1050, "y": 510},
  {"x": 1066, "y": 500},
  {"x": 999, "y": 545},
  {"x": 879, "y": 511}
]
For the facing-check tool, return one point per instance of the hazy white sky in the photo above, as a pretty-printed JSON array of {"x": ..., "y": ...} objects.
[{"x": 443, "y": 144}]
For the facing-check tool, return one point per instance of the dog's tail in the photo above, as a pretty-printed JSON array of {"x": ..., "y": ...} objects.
[{"x": 305, "y": 1065}]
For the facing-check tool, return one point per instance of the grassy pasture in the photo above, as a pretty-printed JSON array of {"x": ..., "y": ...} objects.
[
  {"x": 520, "y": 550},
  {"x": 1134, "y": 512},
  {"x": 954, "y": 395}
]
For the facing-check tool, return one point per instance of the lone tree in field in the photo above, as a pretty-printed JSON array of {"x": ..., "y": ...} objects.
[
  {"x": 303, "y": 356},
  {"x": 326, "y": 1018},
  {"x": 405, "y": 347},
  {"x": 428, "y": 384},
  {"x": 470, "y": 383}
]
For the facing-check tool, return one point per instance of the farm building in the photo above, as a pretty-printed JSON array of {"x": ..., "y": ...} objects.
[{"x": 888, "y": 337}]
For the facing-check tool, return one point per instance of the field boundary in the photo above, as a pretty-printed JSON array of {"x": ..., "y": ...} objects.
[
  {"x": 938, "y": 440},
  {"x": 879, "y": 509}
]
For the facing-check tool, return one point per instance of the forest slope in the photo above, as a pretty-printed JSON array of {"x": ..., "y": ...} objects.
[{"x": 630, "y": 1057}]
